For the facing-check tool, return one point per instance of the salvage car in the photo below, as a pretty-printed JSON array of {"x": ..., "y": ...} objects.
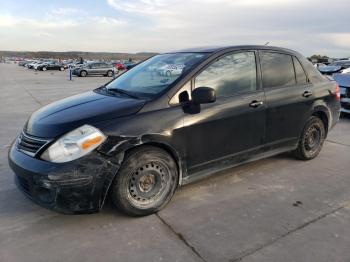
[
  {"x": 140, "y": 136},
  {"x": 344, "y": 82},
  {"x": 94, "y": 68}
]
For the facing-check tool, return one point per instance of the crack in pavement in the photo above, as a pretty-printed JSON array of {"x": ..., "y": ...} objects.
[
  {"x": 334, "y": 142},
  {"x": 262, "y": 246},
  {"x": 181, "y": 237}
]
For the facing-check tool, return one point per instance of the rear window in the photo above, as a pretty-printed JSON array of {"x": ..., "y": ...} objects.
[{"x": 277, "y": 70}]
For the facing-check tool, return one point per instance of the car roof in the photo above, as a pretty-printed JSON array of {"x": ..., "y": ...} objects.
[{"x": 215, "y": 49}]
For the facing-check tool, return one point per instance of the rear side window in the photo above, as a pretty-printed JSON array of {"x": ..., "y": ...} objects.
[
  {"x": 277, "y": 70},
  {"x": 230, "y": 74},
  {"x": 299, "y": 72}
]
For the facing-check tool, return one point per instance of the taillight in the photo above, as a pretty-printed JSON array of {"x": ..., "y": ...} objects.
[{"x": 337, "y": 92}]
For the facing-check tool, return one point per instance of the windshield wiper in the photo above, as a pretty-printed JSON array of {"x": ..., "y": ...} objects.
[{"x": 121, "y": 91}]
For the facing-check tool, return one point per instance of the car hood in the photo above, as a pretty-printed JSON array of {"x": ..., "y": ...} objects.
[
  {"x": 342, "y": 79},
  {"x": 88, "y": 108}
]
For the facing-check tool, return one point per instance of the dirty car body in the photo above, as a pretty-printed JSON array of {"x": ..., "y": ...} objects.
[{"x": 238, "y": 127}]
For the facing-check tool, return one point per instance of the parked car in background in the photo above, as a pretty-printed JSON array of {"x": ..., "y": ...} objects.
[
  {"x": 129, "y": 65},
  {"x": 329, "y": 69},
  {"x": 171, "y": 69},
  {"x": 50, "y": 66},
  {"x": 319, "y": 64},
  {"x": 142, "y": 135},
  {"x": 23, "y": 63},
  {"x": 32, "y": 64},
  {"x": 119, "y": 66},
  {"x": 335, "y": 67},
  {"x": 344, "y": 83},
  {"x": 95, "y": 68},
  {"x": 342, "y": 63},
  {"x": 345, "y": 71}
]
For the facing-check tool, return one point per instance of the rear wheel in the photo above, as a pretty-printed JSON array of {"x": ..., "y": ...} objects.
[
  {"x": 61, "y": 68},
  {"x": 145, "y": 182},
  {"x": 44, "y": 69},
  {"x": 311, "y": 140},
  {"x": 83, "y": 73}
]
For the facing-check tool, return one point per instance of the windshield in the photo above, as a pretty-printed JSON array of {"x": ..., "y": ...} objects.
[{"x": 155, "y": 74}]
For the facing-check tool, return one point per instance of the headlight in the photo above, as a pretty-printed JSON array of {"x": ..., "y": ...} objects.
[{"x": 74, "y": 144}]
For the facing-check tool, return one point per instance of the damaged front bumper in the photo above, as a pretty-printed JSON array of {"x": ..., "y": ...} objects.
[{"x": 79, "y": 186}]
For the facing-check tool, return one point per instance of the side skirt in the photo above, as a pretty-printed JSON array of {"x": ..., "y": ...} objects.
[{"x": 240, "y": 159}]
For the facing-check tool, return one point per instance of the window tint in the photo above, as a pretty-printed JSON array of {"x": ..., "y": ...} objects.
[
  {"x": 231, "y": 74},
  {"x": 299, "y": 72},
  {"x": 277, "y": 70}
]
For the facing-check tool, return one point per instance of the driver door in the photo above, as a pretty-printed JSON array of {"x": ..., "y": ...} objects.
[{"x": 233, "y": 127}]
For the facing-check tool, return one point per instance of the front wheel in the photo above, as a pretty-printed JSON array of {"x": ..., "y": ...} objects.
[
  {"x": 311, "y": 140},
  {"x": 145, "y": 182},
  {"x": 110, "y": 73}
]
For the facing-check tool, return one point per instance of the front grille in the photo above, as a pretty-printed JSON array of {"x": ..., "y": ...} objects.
[{"x": 30, "y": 145}]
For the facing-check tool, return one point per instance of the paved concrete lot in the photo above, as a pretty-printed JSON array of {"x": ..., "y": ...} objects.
[{"x": 277, "y": 209}]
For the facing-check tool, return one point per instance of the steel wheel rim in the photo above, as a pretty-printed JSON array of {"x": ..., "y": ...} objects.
[
  {"x": 312, "y": 139},
  {"x": 148, "y": 183}
]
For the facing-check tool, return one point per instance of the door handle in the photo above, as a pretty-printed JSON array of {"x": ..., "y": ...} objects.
[
  {"x": 256, "y": 103},
  {"x": 307, "y": 94}
]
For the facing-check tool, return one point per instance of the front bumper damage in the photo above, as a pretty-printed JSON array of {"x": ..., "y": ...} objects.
[{"x": 79, "y": 186}]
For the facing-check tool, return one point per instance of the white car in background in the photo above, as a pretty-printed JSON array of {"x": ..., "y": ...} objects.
[
  {"x": 346, "y": 71},
  {"x": 171, "y": 69}
]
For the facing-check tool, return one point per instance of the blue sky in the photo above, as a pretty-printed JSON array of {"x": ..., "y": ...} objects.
[{"x": 313, "y": 26}]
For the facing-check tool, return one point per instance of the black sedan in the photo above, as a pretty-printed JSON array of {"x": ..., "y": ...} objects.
[
  {"x": 143, "y": 134},
  {"x": 50, "y": 66}
]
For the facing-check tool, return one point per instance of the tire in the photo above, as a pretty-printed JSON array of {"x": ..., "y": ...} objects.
[
  {"x": 110, "y": 73},
  {"x": 146, "y": 181},
  {"x": 44, "y": 69},
  {"x": 83, "y": 73},
  {"x": 311, "y": 140},
  {"x": 61, "y": 68}
]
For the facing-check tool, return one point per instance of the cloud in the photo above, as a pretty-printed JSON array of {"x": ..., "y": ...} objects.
[
  {"x": 313, "y": 26},
  {"x": 64, "y": 11},
  {"x": 14, "y": 21}
]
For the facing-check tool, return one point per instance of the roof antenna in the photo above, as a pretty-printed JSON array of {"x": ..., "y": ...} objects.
[{"x": 267, "y": 43}]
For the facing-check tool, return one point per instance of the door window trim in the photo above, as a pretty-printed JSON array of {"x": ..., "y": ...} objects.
[
  {"x": 295, "y": 73},
  {"x": 257, "y": 88},
  {"x": 262, "y": 74}
]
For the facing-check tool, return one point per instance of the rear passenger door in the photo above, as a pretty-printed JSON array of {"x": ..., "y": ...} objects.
[
  {"x": 288, "y": 97},
  {"x": 95, "y": 67},
  {"x": 103, "y": 68}
]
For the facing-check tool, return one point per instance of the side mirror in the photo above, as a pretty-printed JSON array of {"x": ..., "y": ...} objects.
[{"x": 203, "y": 95}]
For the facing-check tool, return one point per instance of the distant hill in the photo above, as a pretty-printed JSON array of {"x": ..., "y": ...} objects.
[{"x": 77, "y": 55}]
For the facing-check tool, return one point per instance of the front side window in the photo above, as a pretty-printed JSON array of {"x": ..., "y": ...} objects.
[
  {"x": 277, "y": 70},
  {"x": 156, "y": 74},
  {"x": 229, "y": 75}
]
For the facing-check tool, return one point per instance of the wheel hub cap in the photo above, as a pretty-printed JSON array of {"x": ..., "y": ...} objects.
[{"x": 146, "y": 182}]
